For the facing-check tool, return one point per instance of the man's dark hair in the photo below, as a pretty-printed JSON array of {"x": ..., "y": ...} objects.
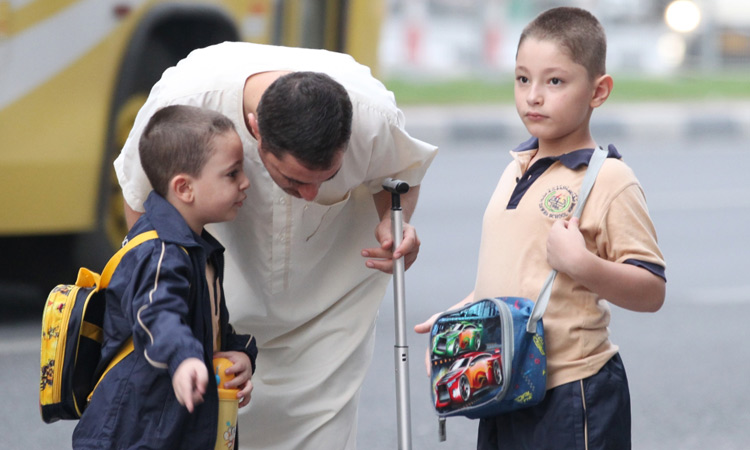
[
  {"x": 179, "y": 139},
  {"x": 307, "y": 115}
]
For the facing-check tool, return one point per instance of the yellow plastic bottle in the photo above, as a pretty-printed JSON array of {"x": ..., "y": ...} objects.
[{"x": 228, "y": 406}]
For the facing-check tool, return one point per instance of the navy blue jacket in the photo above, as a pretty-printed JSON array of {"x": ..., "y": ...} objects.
[{"x": 158, "y": 294}]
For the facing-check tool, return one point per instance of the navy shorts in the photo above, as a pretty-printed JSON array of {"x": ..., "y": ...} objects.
[{"x": 593, "y": 413}]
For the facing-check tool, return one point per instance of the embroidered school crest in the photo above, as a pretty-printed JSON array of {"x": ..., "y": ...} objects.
[{"x": 558, "y": 202}]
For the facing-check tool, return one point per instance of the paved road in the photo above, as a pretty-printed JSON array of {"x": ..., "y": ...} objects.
[{"x": 687, "y": 364}]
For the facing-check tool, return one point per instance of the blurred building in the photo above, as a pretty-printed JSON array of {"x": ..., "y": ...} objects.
[{"x": 458, "y": 38}]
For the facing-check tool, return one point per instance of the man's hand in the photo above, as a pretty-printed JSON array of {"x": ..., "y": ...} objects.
[
  {"x": 381, "y": 258},
  {"x": 189, "y": 382}
]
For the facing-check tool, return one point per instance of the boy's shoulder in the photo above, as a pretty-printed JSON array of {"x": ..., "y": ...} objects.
[
  {"x": 616, "y": 183},
  {"x": 149, "y": 259},
  {"x": 616, "y": 172}
]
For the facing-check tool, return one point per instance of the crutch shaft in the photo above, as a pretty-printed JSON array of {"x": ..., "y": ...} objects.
[{"x": 401, "y": 350}]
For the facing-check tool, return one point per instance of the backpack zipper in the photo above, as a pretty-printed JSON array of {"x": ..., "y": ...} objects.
[{"x": 60, "y": 350}]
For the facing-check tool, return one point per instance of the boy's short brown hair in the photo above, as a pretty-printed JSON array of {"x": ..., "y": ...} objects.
[
  {"x": 576, "y": 30},
  {"x": 179, "y": 139}
]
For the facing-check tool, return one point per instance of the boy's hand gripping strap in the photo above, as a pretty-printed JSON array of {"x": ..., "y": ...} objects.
[{"x": 595, "y": 163}]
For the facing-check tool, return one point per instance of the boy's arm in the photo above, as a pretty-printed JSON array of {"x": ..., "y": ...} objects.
[
  {"x": 244, "y": 343},
  {"x": 160, "y": 308},
  {"x": 189, "y": 382},
  {"x": 624, "y": 285},
  {"x": 242, "y": 350}
]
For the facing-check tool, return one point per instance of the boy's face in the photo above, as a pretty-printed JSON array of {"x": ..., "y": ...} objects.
[
  {"x": 220, "y": 188},
  {"x": 553, "y": 94}
]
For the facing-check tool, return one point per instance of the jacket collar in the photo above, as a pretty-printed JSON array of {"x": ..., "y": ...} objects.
[{"x": 171, "y": 227}]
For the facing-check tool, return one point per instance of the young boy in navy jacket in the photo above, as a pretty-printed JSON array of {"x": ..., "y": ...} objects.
[
  {"x": 610, "y": 255},
  {"x": 167, "y": 295}
]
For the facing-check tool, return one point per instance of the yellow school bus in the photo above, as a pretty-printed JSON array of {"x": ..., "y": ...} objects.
[{"x": 73, "y": 74}]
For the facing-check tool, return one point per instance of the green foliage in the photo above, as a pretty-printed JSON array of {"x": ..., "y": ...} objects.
[
  {"x": 627, "y": 89},
  {"x": 468, "y": 91},
  {"x": 722, "y": 87}
]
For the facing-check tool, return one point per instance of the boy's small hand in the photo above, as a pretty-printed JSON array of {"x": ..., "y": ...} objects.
[
  {"x": 423, "y": 328},
  {"x": 564, "y": 244},
  {"x": 243, "y": 372},
  {"x": 426, "y": 327},
  {"x": 189, "y": 382}
]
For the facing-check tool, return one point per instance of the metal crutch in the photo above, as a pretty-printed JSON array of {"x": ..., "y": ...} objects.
[{"x": 401, "y": 350}]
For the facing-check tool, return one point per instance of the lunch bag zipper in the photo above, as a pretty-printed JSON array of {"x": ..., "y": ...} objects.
[{"x": 506, "y": 322}]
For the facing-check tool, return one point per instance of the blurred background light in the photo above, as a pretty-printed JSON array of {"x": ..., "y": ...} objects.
[
  {"x": 683, "y": 16},
  {"x": 672, "y": 48}
]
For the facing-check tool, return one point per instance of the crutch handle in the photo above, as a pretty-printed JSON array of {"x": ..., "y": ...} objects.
[{"x": 395, "y": 186}]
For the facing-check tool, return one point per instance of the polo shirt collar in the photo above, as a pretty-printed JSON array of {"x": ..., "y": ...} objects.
[{"x": 572, "y": 160}]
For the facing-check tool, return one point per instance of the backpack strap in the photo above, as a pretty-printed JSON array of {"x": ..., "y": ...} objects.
[
  {"x": 109, "y": 269},
  {"x": 595, "y": 163},
  {"x": 126, "y": 349}
]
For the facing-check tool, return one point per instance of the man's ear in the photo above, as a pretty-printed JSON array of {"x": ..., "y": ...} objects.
[
  {"x": 252, "y": 120},
  {"x": 182, "y": 188},
  {"x": 602, "y": 88}
]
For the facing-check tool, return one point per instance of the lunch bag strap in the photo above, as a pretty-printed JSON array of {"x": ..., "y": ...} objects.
[{"x": 596, "y": 162}]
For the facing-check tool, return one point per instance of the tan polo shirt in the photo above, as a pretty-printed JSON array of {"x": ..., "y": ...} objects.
[{"x": 513, "y": 256}]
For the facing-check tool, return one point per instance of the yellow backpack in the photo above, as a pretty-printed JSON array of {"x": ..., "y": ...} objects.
[{"x": 71, "y": 340}]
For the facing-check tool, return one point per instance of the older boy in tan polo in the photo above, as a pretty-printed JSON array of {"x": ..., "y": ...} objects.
[{"x": 610, "y": 256}]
